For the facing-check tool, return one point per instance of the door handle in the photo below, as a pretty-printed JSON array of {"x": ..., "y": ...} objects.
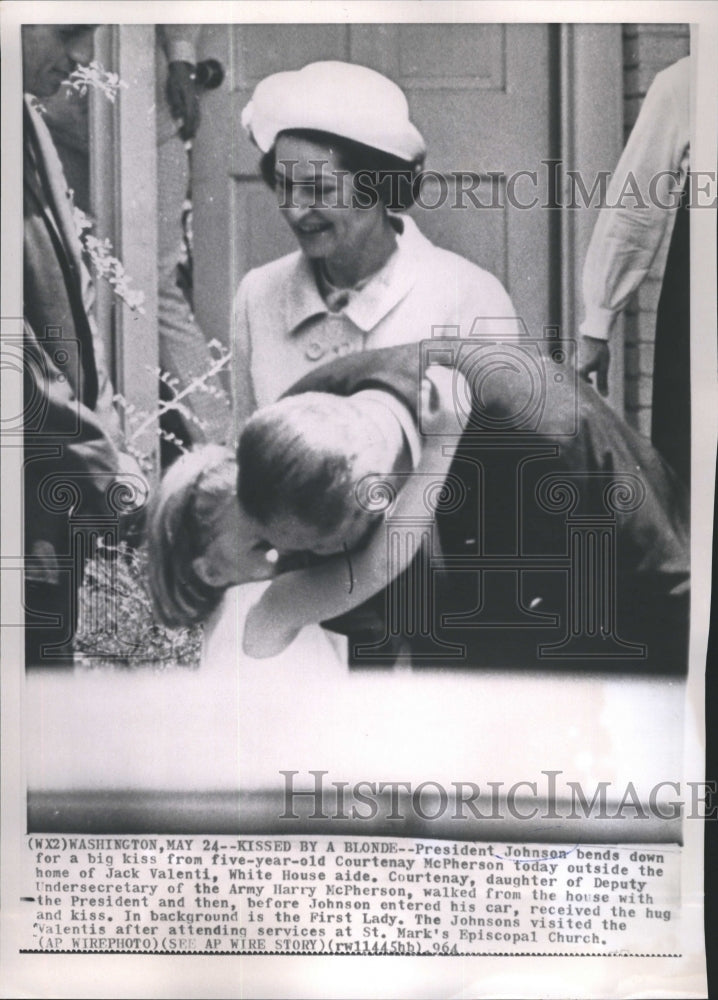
[{"x": 210, "y": 74}]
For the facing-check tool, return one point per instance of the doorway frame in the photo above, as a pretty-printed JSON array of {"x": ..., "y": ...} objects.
[{"x": 589, "y": 139}]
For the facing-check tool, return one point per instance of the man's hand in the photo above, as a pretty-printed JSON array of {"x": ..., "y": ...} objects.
[
  {"x": 183, "y": 97},
  {"x": 594, "y": 356},
  {"x": 444, "y": 401}
]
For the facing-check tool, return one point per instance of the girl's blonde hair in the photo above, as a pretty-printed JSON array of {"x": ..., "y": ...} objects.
[{"x": 183, "y": 514}]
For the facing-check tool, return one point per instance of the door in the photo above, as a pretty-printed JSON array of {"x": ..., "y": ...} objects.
[
  {"x": 123, "y": 195},
  {"x": 482, "y": 96}
]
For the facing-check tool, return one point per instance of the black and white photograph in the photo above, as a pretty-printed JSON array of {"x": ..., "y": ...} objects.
[{"x": 358, "y": 449}]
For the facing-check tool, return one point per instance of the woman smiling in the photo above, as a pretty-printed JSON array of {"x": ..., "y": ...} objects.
[{"x": 343, "y": 158}]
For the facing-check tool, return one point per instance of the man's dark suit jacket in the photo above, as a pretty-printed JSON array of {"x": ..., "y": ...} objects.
[
  {"x": 67, "y": 397},
  {"x": 553, "y": 483}
]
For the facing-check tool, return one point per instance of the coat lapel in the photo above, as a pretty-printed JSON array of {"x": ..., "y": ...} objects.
[{"x": 45, "y": 180}]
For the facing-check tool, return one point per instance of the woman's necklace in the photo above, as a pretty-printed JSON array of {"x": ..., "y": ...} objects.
[{"x": 337, "y": 298}]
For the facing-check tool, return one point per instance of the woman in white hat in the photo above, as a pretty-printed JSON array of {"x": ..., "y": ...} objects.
[{"x": 344, "y": 159}]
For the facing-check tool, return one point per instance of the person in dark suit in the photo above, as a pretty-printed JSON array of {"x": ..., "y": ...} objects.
[
  {"x": 567, "y": 540},
  {"x": 550, "y": 532},
  {"x": 70, "y": 461}
]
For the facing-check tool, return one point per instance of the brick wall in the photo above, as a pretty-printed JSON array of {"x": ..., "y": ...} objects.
[{"x": 647, "y": 48}]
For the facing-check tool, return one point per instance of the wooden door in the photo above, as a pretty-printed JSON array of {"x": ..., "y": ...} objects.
[
  {"x": 123, "y": 194},
  {"x": 481, "y": 94}
]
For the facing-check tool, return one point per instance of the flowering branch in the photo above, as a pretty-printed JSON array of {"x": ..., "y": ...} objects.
[
  {"x": 104, "y": 264},
  {"x": 94, "y": 75},
  {"x": 198, "y": 383}
]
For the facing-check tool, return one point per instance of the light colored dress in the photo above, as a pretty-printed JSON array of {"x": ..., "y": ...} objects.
[
  {"x": 284, "y": 328},
  {"x": 288, "y": 322}
]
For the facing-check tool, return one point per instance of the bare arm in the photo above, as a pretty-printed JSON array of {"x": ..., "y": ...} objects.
[{"x": 320, "y": 592}]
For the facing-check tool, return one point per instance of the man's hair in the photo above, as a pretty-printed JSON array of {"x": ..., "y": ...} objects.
[
  {"x": 298, "y": 456},
  {"x": 379, "y": 176}
]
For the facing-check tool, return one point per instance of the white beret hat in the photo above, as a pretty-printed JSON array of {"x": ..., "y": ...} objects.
[{"x": 338, "y": 97}]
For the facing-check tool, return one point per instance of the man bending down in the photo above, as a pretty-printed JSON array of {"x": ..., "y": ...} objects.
[{"x": 561, "y": 537}]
